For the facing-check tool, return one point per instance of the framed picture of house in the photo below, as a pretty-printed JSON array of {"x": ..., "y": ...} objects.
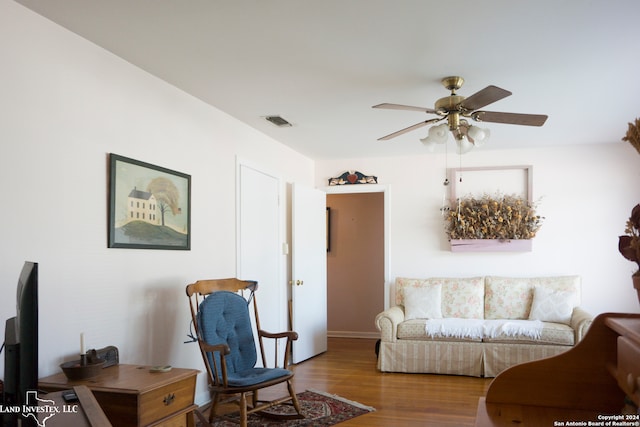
[{"x": 149, "y": 206}]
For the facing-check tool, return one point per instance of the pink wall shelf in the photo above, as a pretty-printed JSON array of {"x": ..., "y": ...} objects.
[{"x": 490, "y": 245}]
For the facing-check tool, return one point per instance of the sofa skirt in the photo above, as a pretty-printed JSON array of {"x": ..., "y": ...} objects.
[
  {"x": 477, "y": 359},
  {"x": 442, "y": 357},
  {"x": 498, "y": 357}
]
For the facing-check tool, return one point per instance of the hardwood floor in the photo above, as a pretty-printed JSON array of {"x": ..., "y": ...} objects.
[{"x": 348, "y": 369}]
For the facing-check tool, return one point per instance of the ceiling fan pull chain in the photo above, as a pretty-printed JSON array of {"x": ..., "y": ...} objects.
[
  {"x": 459, "y": 180},
  {"x": 444, "y": 209}
]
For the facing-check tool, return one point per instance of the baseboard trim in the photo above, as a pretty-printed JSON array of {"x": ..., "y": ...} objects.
[{"x": 353, "y": 334}]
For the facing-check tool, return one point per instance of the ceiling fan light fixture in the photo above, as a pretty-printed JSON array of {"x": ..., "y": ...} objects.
[
  {"x": 439, "y": 134},
  {"x": 478, "y": 135},
  {"x": 455, "y": 109},
  {"x": 429, "y": 144},
  {"x": 463, "y": 145}
]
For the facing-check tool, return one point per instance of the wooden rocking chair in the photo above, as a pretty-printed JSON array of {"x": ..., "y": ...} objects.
[{"x": 222, "y": 323}]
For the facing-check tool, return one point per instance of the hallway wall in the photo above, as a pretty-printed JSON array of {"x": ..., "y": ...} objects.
[{"x": 355, "y": 263}]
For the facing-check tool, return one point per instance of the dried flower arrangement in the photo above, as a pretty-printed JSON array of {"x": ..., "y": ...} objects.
[
  {"x": 629, "y": 244},
  {"x": 633, "y": 135},
  {"x": 498, "y": 217}
]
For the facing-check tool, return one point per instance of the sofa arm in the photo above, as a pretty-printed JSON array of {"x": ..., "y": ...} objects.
[
  {"x": 388, "y": 321},
  {"x": 580, "y": 322}
]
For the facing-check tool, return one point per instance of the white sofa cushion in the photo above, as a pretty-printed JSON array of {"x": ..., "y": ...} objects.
[
  {"x": 552, "y": 306},
  {"x": 423, "y": 302}
]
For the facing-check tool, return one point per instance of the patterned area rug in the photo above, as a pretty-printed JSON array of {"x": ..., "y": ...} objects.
[{"x": 319, "y": 409}]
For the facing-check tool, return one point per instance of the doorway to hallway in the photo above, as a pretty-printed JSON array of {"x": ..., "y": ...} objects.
[{"x": 355, "y": 263}]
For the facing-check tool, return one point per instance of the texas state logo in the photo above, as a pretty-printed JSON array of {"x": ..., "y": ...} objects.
[{"x": 36, "y": 411}]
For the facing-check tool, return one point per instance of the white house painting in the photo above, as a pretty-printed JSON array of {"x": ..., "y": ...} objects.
[
  {"x": 149, "y": 206},
  {"x": 141, "y": 206}
]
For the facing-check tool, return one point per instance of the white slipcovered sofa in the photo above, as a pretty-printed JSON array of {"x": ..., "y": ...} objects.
[{"x": 479, "y": 326}]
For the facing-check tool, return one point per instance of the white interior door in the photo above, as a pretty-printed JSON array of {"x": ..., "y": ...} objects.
[
  {"x": 259, "y": 254},
  {"x": 309, "y": 272}
]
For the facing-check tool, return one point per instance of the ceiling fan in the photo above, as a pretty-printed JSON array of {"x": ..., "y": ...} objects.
[{"x": 456, "y": 109}]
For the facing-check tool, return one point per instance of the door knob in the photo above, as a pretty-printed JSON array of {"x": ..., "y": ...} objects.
[{"x": 299, "y": 282}]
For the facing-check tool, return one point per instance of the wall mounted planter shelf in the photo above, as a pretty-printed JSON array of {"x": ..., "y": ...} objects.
[{"x": 490, "y": 245}]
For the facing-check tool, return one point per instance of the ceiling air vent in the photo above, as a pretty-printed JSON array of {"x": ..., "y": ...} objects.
[{"x": 278, "y": 121}]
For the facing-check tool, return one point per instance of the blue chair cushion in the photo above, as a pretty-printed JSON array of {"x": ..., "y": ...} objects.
[
  {"x": 223, "y": 318},
  {"x": 255, "y": 375}
]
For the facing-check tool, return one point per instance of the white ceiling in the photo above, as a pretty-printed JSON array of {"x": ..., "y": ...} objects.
[{"x": 322, "y": 64}]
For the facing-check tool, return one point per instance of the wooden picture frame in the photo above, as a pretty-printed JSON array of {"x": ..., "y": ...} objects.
[
  {"x": 477, "y": 181},
  {"x": 149, "y": 206},
  {"x": 516, "y": 180}
]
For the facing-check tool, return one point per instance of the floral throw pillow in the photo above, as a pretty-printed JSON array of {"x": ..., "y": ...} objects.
[
  {"x": 507, "y": 298},
  {"x": 463, "y": 297}
]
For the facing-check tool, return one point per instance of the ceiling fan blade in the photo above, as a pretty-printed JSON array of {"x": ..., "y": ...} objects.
[
  {"x": 408, "y": 129},
  {"x": 486, "y": 96},
  {"x": 510, "y": 118},
  {"x": 404, "y": 107}
]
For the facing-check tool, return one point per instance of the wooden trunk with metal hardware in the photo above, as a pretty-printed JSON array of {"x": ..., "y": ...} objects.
[{"x": 132, "y": 395}]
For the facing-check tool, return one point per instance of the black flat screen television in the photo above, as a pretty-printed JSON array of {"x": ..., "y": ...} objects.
[{"x": 21, "y": 342}]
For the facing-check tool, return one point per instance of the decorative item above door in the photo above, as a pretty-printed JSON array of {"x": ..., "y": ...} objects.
[{"x": 350, "y": 177}]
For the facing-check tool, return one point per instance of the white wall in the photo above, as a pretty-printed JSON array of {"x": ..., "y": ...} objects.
[
  {"x": 64, "y": 105},
  {"x": 586, "y": 194}
]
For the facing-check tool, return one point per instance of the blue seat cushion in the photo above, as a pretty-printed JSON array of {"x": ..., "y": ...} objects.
[
  {"x": 223, "y": 318},
  {"x": 253, "y": 376}
]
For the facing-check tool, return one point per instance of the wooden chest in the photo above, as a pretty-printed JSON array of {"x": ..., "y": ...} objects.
[{"x": 132, "y": 395}]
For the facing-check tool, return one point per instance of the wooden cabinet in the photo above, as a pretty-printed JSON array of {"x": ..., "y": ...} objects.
[
  {"x": 627, "y": 367},
  {"x": 583, "y": 384},
  {"x": 132, "y": 395}
]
